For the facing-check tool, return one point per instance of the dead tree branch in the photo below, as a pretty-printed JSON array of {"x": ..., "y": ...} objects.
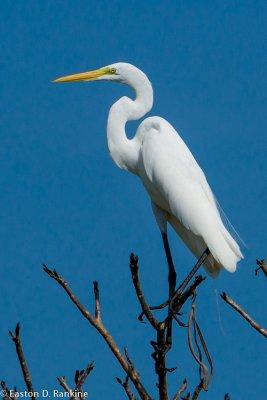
[
  {"x": 22, "y": 360},
  {"x": 99, "y": 326},
  {"x": 5, "y": 393},
  {"x": 159, "y": 357},
  {"x": 126, "y": 387},
  {"x": 180, "y": 391},
  {"x": 197, "y": 390},
  {"x": 244, "y": 314},
  {"x": 187, "y": 397},
  {"x": 159, "y": 354},
  {"x": 140, "y": 295},
  {"x": 160, "y": 346},
  {"x": 184, "y": 296},
  {"x": 79, "y": 379},
  {"x": 261, "y": 266},
  {"x": 81, "y": 376},
  {"x": 97, "y": 301},
  {"x": 63, "y": 383}
]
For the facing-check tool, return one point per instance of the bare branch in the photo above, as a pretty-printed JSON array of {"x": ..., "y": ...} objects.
[
  {"x": 244, "y": 314},
  {"x": 181, "y": 300},
  {"x": 129, "y": 360},
  {"x": 136, "y": 281},
  {"x": 181, "y": 390},
  {"x": 187, "y": 397},
  {"x": 186, "y": 281},
  {"x": 126, "y": 387},
  {"x": 97, "y": 301},
  {"x": 98, "y": 325},
  {"x": 197, "y": 390},
  {"x": 159, "y": 356},
  {"x": 81, "y": 376},
  {"x": 22, "y": 360},
  {"x": 63, "y": 383},
  {"x": 261, "y": 266},
  {"x": 5, "y": 391},
  {"x": 160, "y": 347}
]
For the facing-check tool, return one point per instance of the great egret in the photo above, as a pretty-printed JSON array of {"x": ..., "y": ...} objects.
[{"x": 180, "y": 194}]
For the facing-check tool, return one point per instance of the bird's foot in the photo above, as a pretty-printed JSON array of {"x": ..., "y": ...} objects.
[
  {"x": 168, "y": 303},
  {"x": 152, "y": 308}
]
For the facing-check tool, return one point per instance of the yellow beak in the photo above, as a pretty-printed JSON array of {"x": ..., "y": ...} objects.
[{"x": 83, "y": 76}]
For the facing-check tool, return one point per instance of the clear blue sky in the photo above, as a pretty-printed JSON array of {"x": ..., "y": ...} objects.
[{"x": 64, "y": 203}]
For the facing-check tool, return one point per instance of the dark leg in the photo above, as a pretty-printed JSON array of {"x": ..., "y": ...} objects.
[
  {"x": 172, "y": 285},
  {"x": 172, "y": 273},
  {"x": 179, "y": 291},
  {"x": 196, "y": 267},
  {"x": 175, "y": 294}
]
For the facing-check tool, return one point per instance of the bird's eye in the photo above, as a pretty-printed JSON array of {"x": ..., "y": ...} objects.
[{"x": 112, "y": 70}]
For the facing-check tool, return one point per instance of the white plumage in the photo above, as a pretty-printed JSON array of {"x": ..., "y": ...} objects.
[
  {"x": 179, "y": 192},
  {"x": 177, "y": 185}
]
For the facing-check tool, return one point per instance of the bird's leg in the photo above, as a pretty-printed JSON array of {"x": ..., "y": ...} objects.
[
  {"x": 196, "y": 267},
  {"x": 171, "y": 276},
  {"x": 177, "y": 293},
  {"x": 172, "y": 273},
  {"x": 172, "y": 285},
  {"x": 159, "y": 307}
]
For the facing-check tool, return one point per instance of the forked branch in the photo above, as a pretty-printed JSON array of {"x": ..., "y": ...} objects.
[
  {"x": 126, "y": 387},
  {"x": 180, "y": 391},
  {"x": 159, "y": 346},
  {"x": 99, "y": 326},
  {"x": 79, "y": 379}
]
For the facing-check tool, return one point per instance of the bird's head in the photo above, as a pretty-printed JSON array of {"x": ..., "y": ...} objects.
[{"x": 118, "y": 72}]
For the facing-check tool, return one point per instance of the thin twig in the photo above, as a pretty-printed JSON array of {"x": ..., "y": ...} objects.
[
  {"x": 181, "y": 390},
  {"x": 97, "y": 301},
  {"x": 5, "y": 393},
  {"x": 99, "y": 326},
  {"x": 197, "y": 390},
  {"x": 186, "y": 281},
  {"x": 63, "y": 383},
  {"x": 126, "y": 387},
  {"x": 244, "y": 314},
  {"x": 81, "y": 376},
  {"x": 261, "y": 265},
  {"x": 22, "y": 360},
  {"x": 181, "y": 300},
  {"x": 129, "y": 360},
  {"x": 187, "y": 397},
  {"x": 136, "y": 281}
]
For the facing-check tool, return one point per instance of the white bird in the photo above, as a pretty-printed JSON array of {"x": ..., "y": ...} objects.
[{"x": 180, "y": 194}]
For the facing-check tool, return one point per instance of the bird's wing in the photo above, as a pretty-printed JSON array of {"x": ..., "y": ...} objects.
[
  {"x": 177, "y": 184},
  {"x": 173, "y": 171}
]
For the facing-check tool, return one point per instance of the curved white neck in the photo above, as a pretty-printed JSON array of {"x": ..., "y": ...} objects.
[{"x": 124, "y": 151}]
